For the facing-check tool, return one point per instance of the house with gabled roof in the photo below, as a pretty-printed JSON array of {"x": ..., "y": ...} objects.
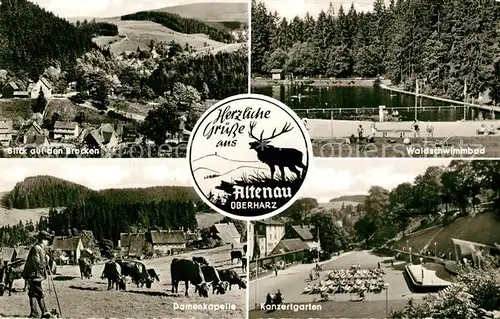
[
  {"x": 6, "y": 129},
  {"x": 43, "y": 85},
  {"x": 69, "y": 246},
  {"x": 65, "y": 130},
  {"x": 289, "y": 246},
  {"x": 105, "y": 138},
  {"x": 168, "y": 241},
  {"x": 34, "y": 134},
  {"x": 14, "y": 89},
  {"x": 304, "y": 233},
  {"x": 226, "y": 232},
  {"x": 132, "y": 244}
]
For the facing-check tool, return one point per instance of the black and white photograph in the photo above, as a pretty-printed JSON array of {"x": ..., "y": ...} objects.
[
  {"x": 384, "y": 78},
  {"x": 112, "y": 238},
  {"x": 104, "y": 79},
  {"x": 396, "y": 239}
]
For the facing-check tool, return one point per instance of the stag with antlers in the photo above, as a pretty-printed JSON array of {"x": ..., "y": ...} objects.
[{"x": 276, "y": 156}]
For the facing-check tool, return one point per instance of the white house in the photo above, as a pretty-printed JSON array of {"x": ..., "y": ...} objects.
[
  {"x": 267, "y": 233},
  {"x": 42, "y": 84},
  {"x": 65, "y": 130},
  {"x": 69, "y": 246}
]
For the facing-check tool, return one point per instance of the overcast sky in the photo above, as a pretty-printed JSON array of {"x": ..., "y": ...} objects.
[
  {"x": 328, "y": 178},
  {"x": 292, "y": 8},
  {"x": 110, "y": 8}
]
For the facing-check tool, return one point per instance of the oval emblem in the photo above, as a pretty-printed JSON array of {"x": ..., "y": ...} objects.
[{"x": 249, "y": 156}]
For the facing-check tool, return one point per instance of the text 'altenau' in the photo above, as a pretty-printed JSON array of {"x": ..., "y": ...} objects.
[{"x": 253, "y": 192}]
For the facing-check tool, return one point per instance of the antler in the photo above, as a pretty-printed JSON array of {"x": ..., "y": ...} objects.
[
  {"x": 250, "y": 132},
  {"x": 286, "y": 128}
]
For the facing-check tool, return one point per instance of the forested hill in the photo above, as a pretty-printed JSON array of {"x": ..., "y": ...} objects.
[
  {"x": 444, "y": 42},
  {"x": 48, "y": 191},
  {"x": 349, "y": 198},
  {"x": 44, "y": 191},
  {"x": 180, "y": 24},
  {"x": 32, "y": 38}
]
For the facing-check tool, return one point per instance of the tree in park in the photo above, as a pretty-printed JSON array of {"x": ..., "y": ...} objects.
[
  {"x": 402, "y": 204},
  {"x": 427, "y": 191},
  {"x": 331, "y": 236},
  {"x": 161, "y": 121}
]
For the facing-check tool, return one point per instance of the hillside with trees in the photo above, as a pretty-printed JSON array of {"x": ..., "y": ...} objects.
[
  {"x": 32, "y": 39},
  {"x": 44, "y": 191},
  {"x": 438, "y": 197},
  {"x": 48, "y": 191},
  {"x": 184, "y": 25},
  {"x": 107, "y": 219},
  {"x": 444, "y": 42}
]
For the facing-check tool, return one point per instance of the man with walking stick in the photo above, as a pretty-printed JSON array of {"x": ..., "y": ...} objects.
[{"x": 35, "y": 272}]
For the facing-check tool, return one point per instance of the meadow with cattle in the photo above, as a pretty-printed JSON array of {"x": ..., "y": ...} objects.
[
  {"x": 84, "y": 297},
  {"x": 149, "y": 252}
]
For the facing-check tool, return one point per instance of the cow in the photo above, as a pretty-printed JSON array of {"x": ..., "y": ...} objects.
[
  {"x": 236, "y": 254},
  {"x": 201, "y": 260},
  {"x": 232, "y": 278},
  {"x": 152, "y": 273},
  {"x": 113, "y": 272},
  {"x": 85, "y": 266},
  {"x": 137, "y": 271},
  {"x": 212, "y": 277},
  {"x": 12, "y": 272},
  {"x": 188, "y": 271}
]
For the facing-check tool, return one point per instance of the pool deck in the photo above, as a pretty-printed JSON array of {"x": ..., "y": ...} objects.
[{"x": 328, "y": 129}]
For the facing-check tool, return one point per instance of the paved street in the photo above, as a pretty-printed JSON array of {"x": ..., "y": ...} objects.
[{"x": 292, "y": 281}]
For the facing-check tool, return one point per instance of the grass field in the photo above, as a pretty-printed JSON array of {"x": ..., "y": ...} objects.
[
  {"x": 68, "y": 111},
  {"x": 90, "y": 298},
  {"x": 132, "y": 107},
  {"x": 482, "y": 228},
  {"x": 381, "y": 147},
  {"x": 15, "y": 109},
  {"x": 208, "y": 219},
  {"x": 214, "y": 12},
  {"x": 14, "y": 216},
  {"x": 138, "y": 34}
]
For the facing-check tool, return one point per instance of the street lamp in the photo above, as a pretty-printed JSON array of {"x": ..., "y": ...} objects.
[
  {"x": 410, "y": 255},
  {"x": 435, "y": 249},
  {"x": 386, "y": 300}
]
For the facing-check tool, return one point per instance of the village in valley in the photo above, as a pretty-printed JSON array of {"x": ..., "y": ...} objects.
[{"x": 131, "y": 86}]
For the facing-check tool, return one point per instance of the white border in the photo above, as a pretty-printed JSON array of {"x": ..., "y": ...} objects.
[
  {"x": 301, "y": 126},
  {"x": 249, "y": 47}
]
